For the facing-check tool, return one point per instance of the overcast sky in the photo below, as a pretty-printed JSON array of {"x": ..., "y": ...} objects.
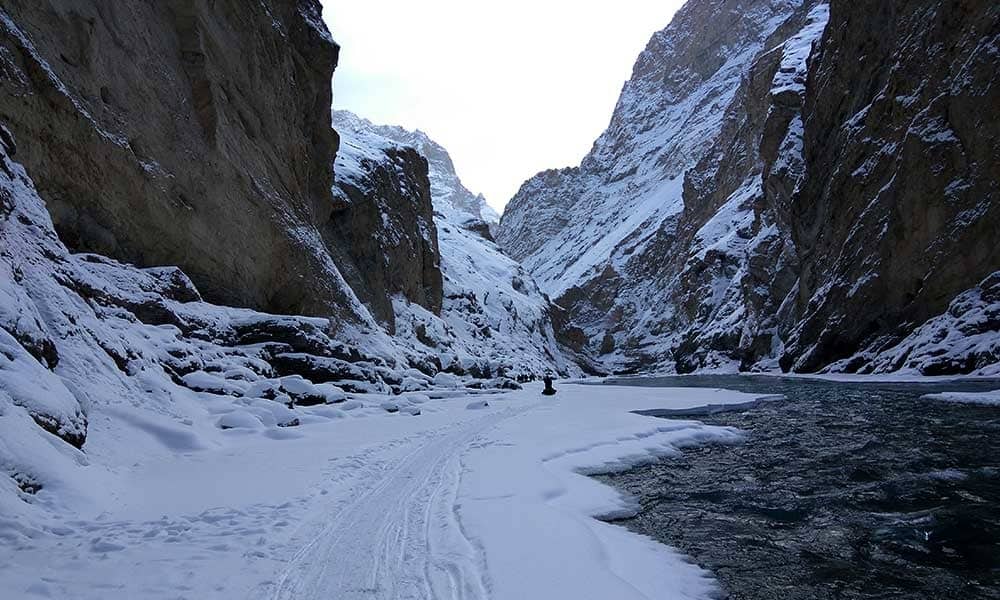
[{"x": 509, "y": 88}]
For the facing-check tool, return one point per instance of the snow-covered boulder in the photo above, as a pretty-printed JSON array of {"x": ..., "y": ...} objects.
[
  {"x": 416, "y": 398},
  {"x": 497, "y": 383},
  {"x": 447, "y": 380},
  {"x": 272, "y": 413},
  {"x": 239, "y": 419},
  {"x": 201, "y": 381},
  {"x": 40, "y": 392},
  {"x": 331, "y": 393}
]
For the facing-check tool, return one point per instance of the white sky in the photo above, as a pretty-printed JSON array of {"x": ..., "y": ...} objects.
[{"x": 510, "y": 87}]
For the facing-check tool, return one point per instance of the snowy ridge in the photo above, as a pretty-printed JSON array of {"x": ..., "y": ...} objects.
[
  {"x": 630, "y": 183},
  {"x": 631, "y": 260},
  {"x": 494, "y": 320},
  {"x": 701, "y": 233},
  {"x": 451, "y": 198}
]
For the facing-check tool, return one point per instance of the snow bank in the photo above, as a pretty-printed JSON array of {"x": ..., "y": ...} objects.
[
  {"x": 525, "y": 501},
  {"x": 983, "y": 398}
]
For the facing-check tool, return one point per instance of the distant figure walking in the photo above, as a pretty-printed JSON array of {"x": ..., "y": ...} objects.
[{"x": 549, "y": 390}]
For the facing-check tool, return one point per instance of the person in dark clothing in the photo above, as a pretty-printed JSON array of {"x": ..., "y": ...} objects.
[{"x": 549, "y": 390}]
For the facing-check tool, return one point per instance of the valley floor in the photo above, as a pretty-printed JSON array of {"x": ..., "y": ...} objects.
[{"x": 465, "y": 500}]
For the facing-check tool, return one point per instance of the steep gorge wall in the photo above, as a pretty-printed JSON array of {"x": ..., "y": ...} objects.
[
  {"x": 492, "y": 320},
  {"x": 900, "y": 206},
  {"x": 845, "y": 195},
  {"x": 634, "y": 243},
  {"x": 186, "y": 133},
  {"x": 382, "y": 229}
]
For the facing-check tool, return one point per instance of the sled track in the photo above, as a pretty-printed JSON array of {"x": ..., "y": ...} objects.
[{"x": 401, "y": 538}]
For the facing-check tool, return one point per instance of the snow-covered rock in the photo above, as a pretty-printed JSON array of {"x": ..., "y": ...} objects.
[
  {"x": 391, "y": 406},
  {"x": 493, "y": 319},
  {"x": 964, "y": 339},
  {"x": 452, "y": 200},
  {"x": 239, "y": 419},
  {"x": 382, "y": 229}
]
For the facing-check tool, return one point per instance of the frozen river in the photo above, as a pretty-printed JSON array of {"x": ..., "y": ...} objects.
[{"x": 842, "y": 490}]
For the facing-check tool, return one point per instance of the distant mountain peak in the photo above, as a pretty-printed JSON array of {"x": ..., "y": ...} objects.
[{"x": 450, "y": 196}]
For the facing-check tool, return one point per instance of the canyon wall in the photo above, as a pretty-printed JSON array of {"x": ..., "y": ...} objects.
[
  {"x": 900, "y": 205},
  {"x": 491, "y": 319},
  {"x": 799, "y": 185},
  {"x": 183, "y": 133}
]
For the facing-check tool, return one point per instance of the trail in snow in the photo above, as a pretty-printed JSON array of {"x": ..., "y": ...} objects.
[
  {"x": 401, "y": 538},
  {"x": 452, "y": 504}
]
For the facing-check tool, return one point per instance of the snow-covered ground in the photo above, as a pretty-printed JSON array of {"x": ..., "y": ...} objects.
[{"x": 480, "y": 495}]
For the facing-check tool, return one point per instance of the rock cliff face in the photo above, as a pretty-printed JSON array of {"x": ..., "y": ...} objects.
[
  {"x": 900, "y": 205},
  {"x": 490, "y": 318},
  {"x": 807, "y": 192},
  {"x": 452, "y": 200},
  {"x": 382, "y": 228},
  {"x": 187, "y": 133},
  {"x": 633, "y": 243}
]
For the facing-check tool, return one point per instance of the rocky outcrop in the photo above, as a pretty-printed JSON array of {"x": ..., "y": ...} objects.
[
  {"x": 490, "y": 318},
  {"x": 382, "y": 228},
  {"x": 187, "y": 133},
  {"x": 900, "y": 205},
  {"x": 452, "y": 200},
  {"x": 961, "y": 340}
]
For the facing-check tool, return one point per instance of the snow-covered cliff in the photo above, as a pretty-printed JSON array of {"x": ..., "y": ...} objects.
[
  {"x": 702, "y": 232},
  {"x": 452, "y": 200},
  {"x": 600, "y": 237},
  {"x": 493, "y": 318}
]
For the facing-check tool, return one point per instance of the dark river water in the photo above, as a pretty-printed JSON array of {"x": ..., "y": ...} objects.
[{"x": 840, "y": 491}]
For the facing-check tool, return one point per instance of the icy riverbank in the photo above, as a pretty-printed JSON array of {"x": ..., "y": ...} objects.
[
  {"x": 470, "y": 503},
  {"x": 983, "y": 398}
]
